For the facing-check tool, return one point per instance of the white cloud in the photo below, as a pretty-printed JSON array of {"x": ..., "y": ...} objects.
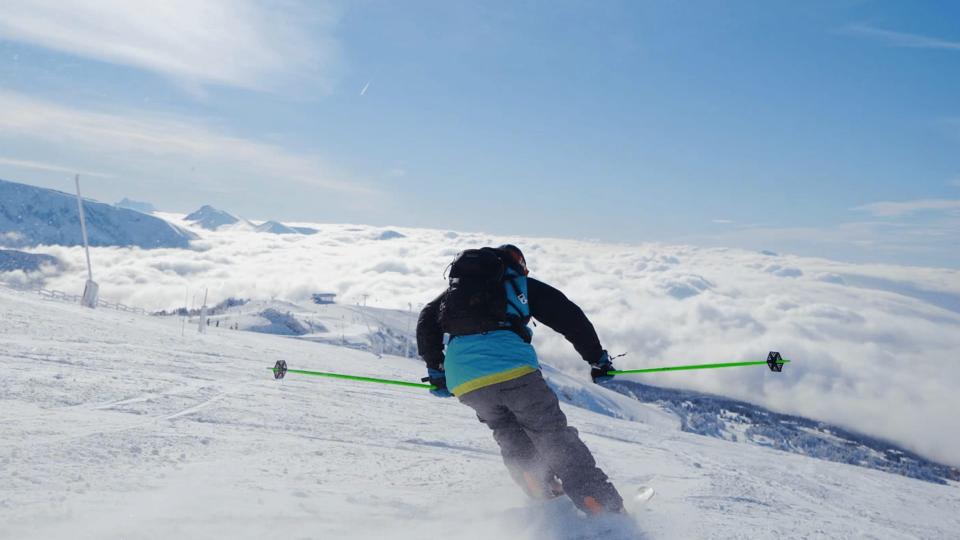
[
  {"x": 902, "y": 208},
  {"x": 36, "y": 165},
  {"x": 245, "y": 43},
  {"x": 868, "y": 342},
  {"x": 929, "y": 242},
  {"x": 723, "y": 221},
  {"x": 151, "y": 143},
  {"x": 902, "y": 39}
]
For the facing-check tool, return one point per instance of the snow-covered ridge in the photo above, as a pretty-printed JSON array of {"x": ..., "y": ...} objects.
[
  {"x": 11, "y": 260},
  {"x": 31, "y": 216},
  {"x": 375, "y": 330},
  {"x": 139, "y": 206},
  {"x": 737, "y": 421},
  {"x": 275, "y": 227},
  {"x": 213, "y": 219}
]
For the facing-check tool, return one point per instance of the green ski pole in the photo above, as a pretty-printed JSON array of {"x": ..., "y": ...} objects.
[
  {"x": 774, "y": 361},
  {"x": 280, "y": 370}
]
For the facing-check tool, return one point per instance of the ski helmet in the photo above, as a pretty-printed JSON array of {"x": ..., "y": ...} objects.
[{"x": 517, "y": 256}]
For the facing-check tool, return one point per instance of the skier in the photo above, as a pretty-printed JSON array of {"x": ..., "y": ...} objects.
[{"x": 490, "y": 366}]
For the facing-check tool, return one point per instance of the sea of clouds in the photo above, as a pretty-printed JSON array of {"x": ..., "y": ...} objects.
[{"x": 873, "y": 346}]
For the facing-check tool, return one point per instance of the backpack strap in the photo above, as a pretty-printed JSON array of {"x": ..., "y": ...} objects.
[
  {"x": 518, "y": 321},
  {"x": 522, "y": 310}
]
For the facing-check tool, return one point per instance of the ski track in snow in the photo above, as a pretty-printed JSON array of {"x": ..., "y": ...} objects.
[{"x": 116, "y": 426}]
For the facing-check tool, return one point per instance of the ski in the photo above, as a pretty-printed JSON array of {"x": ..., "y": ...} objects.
[{"x": 642, "y": 496}]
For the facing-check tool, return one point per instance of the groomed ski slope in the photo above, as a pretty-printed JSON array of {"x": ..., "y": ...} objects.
[{"x": 116, "y": 426}]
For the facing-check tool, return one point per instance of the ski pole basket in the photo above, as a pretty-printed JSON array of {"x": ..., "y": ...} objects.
[
  {"x": 280, "y": 369},
  {"x": 775, "y": 361}
]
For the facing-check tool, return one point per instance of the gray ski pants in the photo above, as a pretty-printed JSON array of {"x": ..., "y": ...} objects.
[{"x": 534, "y": 437}]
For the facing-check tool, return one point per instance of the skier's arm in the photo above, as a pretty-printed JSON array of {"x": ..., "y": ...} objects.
[
  {"x": 552, "y": 308},
  {"x": 430, "y": 335}
]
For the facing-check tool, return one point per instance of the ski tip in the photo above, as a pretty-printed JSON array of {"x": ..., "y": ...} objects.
[
  {"x": 634, "y": 504},
  {"x": 644, "y": 494}
]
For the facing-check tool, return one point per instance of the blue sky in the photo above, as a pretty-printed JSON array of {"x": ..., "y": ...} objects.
[{"x": 819, "y": 128}]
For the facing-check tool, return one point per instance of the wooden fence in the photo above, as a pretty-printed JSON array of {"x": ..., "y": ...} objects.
[{"x": 61, "y": 296}]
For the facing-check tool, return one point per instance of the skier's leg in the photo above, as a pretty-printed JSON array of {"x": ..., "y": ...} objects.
[
  {"x": 525, "y": 465},
  {"x": 537, "y": 409}
]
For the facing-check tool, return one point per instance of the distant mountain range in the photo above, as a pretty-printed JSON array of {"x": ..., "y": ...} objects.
[
  {"x": 732, "y": 420},
  {"x": 275, "y": 227},
  {"x": 143, "y": 207},
  {"x": 28, "y": 262},
  {"x": 212, "y": 219},
  {"x": 31, "y": 215},
  {"x": 390, "y": 235}
]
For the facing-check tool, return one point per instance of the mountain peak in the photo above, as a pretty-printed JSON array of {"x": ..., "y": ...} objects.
[
  {"x": 275, "y": 227},
  {"x": 138, "y": 206},
  {"x": 211, "y": 218}
]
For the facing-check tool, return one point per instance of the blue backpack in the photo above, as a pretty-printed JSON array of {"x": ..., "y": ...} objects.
[{"x": 487, "y": 292}]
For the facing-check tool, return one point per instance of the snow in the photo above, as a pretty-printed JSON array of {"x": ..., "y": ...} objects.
[
  {"x": 31, "y": 216},
  {"x": 867, "y": 340},
  {"x": 139, "y": 206},
  {"x": 275, "y": 227},
  {"x": 116, "y": 425},
  {"x": 11, "y": 260},
  {"x": 376, "y": 330},
  {"x": 210, "y": 218}
]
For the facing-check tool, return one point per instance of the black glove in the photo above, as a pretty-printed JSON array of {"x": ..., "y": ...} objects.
[{"x": 601, "y": 369}]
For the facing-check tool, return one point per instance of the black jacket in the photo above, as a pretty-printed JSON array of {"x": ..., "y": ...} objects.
[{"x": 547, "y": 305}]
